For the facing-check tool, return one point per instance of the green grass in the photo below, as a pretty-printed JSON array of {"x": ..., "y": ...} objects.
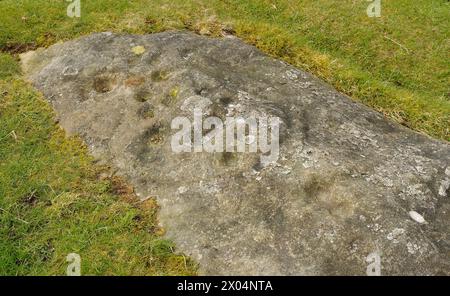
[
  {"x": 54, "y": 201},
  {"x": 51, "y": 198}
]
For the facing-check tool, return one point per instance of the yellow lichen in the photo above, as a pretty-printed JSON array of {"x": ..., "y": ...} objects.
[{"x": 138, "y": 50}]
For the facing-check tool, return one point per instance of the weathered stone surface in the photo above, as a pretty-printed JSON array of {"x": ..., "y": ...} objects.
[{"x": 346, "y": 183}]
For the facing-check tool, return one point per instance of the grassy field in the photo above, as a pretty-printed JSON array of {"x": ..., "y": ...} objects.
[{"x": 54, "y": 200}]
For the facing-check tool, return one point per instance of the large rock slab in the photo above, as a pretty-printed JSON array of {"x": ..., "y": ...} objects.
[{"x": 343, "y": 186}]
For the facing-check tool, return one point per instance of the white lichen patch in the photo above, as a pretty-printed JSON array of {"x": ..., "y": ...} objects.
[
  {"x": 291, "y": 75},
  {"x": 417, "y": 217},
  {"x": 197, "y": 102},
  {"x": 395, "y": 235},
  {"x": 309, "y": 158},
  {"x": 412, "y": 248},
  {"x": 445, "y": 184},
  {"x": 182, "y": 189}
]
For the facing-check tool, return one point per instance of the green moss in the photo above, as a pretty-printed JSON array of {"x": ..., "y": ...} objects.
[
  {"x": 160, "y": 75},
  {"x": 174, "y": 92},
  {"x": 150, "y": 113},
  {"x": 171, "y": 97},
  {"x": 142, "y": 95}
]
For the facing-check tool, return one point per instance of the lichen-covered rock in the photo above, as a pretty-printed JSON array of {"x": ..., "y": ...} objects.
[{"x": 344, "y": 186}]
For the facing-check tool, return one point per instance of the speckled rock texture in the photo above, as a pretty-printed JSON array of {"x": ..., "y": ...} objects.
[{"x": 343, "y": 186}]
